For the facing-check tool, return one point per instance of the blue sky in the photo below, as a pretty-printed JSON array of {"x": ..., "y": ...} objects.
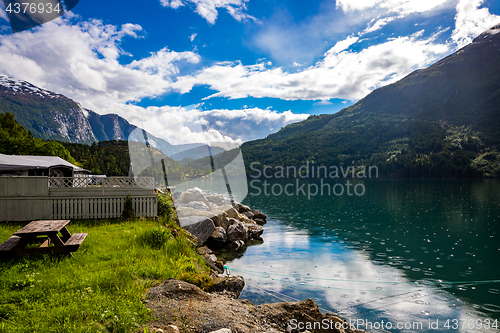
[{"x": 197, "y": 70}]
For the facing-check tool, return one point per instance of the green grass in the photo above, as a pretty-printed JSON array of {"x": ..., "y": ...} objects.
[{"x": 102, "y": 287}]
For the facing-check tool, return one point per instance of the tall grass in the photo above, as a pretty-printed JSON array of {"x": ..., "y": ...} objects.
[{"x": 101, "y": 288}]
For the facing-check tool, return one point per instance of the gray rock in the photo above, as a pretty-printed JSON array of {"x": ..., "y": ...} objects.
[
  {"x": 237, "y": 244},
  {"x": 259, "y": 221},
  {"x": 242, "y": 208},
  {"x": 199, "y": 205},
  {"x": 198, "y": 226},
  {"x": 176, "y": 195},
  {"x": 183, "y": 211},
  {"x": 222, "y": 330},
  {"x": 216, "y": 199},
  {"x": 220, "y": 220},
  {"x": 257, "y": 214},
  {"x": 248, "y": 214},
  {"x": 193, "y": 194},
  {"x": 237, "y": 231},
  {"x": 254, "y": 230},
  {"x": 219, "y": 235},
  {"x": 230, "y": 286}
]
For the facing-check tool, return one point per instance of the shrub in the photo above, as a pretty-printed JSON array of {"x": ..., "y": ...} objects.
[
  {"x": 128, "y": 212},
  {"x": 165, "y": 206},
  {"x": 155, "y": 238}
]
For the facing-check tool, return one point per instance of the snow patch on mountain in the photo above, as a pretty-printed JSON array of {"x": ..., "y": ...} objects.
[{"x": 24, "y": 87}]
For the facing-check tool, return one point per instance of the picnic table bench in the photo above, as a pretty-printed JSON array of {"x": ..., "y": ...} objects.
[{"x": 46, "y": 232}]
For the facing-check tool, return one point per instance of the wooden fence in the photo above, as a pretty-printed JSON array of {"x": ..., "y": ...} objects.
[{"x": 33, "y": 198}]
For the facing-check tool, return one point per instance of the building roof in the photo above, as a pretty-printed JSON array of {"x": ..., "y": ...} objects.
[{"x": 25, "y": 162}]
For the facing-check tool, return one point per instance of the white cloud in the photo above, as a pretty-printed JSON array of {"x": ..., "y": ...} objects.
[
  {"x": 343, "y": 45},
  {"x": 179, "y": 125},
  {"x": 397, "y": 6},
  {"x": 193, "y": 36},
  {"x": 471, "y": 20},
  {"x": 208, "y": 8},
  {"x": 340, "y": 74},
  {"x": 379, "y": 24},
  {"x": 81, "y": 62}
]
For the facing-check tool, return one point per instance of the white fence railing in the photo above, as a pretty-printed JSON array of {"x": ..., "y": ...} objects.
[
  {"x": 34, "y": 198},
  {"x": 96, "y": 181},
  {"x": 100, "y": 208}
]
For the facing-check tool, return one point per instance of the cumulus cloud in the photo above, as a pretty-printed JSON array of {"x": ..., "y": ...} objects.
[
  {"x": 340, "y": 74},
  {"x": 395, "y": 6},
  {"x": 179, "y": 125},
  {"x": 81, "y": 61},
  {"x": 208, "y": 8},
  {"x": 471, "y": 20}
]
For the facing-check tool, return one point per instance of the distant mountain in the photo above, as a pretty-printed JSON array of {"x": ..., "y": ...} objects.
[
  {"x": 45, "y": 114},
  {"x": 443, "y": 121},
  {"x": 52, "y": 116}
]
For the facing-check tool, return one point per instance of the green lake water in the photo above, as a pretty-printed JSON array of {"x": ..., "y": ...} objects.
[{"x": 403, "y": 252}]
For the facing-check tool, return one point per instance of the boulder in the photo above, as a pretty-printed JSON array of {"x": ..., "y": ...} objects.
[
  {"x": 198, "y": 226},
  {"x": 237, "y": 244},
  {"x": 231, "y": 221},
  {"x": 242, "y": 208},
  {"x": 233, "y": 213},
  {"x": 248, "y": 214},
  {"x": 193, "y": 194},
  {"x": 199, "y": 205},
  {"x": 257, "y": 214},
  {"x": 203, "y": 250},
  {"x": 259, "y": 221},
  {"x": 216, "y": 199},
  {"x": 254, "y": 230},
  {"x": 237, "y": 231},
  {"x": 219, "y": 235},
  {"x": 176, "y": 195},
  {"x": 229, "y": 285},
  {"x": 183, "y": 211},
  {"x": 246, "y": 220},
  {"x": 220, "y": 219}
]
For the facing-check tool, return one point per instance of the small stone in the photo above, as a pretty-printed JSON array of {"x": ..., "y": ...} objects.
[
  {"x": 222, "y": 330},
  {"x": 171, "y": 329}
]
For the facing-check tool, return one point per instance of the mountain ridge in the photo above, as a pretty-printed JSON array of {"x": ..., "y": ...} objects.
[
  {"x": 51, "y": 116},
  {"x": 448, "y": 109}
]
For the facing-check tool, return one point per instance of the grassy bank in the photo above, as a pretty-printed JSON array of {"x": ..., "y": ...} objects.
[{"x": 101, "y": 288}]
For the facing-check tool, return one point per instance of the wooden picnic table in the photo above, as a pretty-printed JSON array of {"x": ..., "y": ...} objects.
[{"x": 46, "y": 232}]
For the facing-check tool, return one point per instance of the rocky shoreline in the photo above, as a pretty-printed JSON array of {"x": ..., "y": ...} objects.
[
  {"x": 182, "y": 307},
  {"x": 217, "y": 223}
]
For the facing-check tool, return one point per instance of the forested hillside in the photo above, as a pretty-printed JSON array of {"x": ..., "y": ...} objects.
[
  {"x": 16, "y": 140},
  {"x": 443, "y": 121}
]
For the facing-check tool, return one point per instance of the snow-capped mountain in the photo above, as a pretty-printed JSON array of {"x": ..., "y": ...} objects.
[{"x": 52, "y": 116}]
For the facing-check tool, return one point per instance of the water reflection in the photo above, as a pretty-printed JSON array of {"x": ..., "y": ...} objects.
[{"x": 404, "y": 252}]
